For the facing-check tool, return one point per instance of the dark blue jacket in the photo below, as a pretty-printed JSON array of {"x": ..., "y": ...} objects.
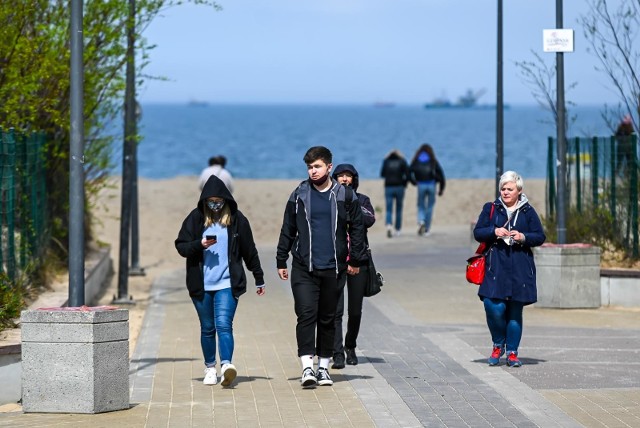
[{"x": 510, "y": 269}]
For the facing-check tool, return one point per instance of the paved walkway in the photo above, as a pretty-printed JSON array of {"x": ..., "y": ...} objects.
[{"x": 422, "y": 348}]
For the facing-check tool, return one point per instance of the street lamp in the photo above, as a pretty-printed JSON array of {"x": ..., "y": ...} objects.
[
  {"x": 499, "y": 107},
  {"x": 128, "y": 158}
]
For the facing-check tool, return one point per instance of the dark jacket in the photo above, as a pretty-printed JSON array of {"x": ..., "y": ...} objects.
[
  {"x": 427, "y": 171},
  {"x": 296, "y": 227},
  {"x": 510, "y": 269},
  {"x": 368, "y": 213},
  {"x": 241, "y": 244},
  {"x": 395, "y": 170}
]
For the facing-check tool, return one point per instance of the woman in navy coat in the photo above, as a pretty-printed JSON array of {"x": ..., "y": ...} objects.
[{"x": 510, "y": 226}]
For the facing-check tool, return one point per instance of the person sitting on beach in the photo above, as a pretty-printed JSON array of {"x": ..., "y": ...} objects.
[
  {"x": 347, "y": 175},
  {"x": 215, "y": 238},
  {"x": 216, "y": 167},
  {"x": 395, "y": 172},
  {"x": 510, "y": 227},
  {"x": 314, "y": 230}
]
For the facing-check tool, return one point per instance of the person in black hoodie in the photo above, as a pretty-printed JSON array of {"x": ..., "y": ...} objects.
[
  {"x": 314, "y": 231},
  {"x": 395, "y": 172},
  {"x": 347, "y": 175},
  {"x": 216, "y": 238}
]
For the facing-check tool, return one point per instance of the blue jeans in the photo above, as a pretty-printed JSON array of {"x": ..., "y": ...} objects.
[
  {"x": 216, "y": 310},
  {"x": 426, "y": 191},
  {"x": 504, "y": 318},
  {"x": 392, "y": 193}
]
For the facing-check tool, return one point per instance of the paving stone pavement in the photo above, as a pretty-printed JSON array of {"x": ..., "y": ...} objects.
[{"x": 422, "y": 348}]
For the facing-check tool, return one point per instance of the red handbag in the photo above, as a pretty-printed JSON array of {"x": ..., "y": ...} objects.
[
  {"x": 475, "y": 269},
  {"x": 476, "y": 263}
]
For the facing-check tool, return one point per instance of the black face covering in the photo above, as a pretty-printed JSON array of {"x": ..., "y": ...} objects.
[{"x": 320, "y": 181}]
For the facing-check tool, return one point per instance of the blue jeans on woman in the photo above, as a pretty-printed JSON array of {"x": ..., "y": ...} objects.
[
  {"x": 504, "y": 318},
  {"x": 216, "y": 310},
  {"x": 426, "y": 192},
  {"x": 392, "y": 193}
]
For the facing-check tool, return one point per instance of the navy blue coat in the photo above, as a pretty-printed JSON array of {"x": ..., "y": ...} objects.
[{"x": 510, "y": 269}]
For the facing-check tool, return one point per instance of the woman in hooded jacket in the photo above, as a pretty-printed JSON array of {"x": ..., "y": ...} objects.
[
  {"x": 510, "y": 227},
  {"x": 347, "y": 175},
  {"x": 215, "y": 238}
]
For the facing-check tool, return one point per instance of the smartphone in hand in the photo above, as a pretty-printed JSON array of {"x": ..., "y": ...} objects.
[{"x": 210, "y": 237}]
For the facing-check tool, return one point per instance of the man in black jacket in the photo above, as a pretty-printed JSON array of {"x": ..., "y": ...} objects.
[
  {"x": 395, "y": 171},
  {"x": 314, "y": 230}
]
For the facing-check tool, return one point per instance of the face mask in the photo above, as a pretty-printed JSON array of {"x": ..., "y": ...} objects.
[
  {"x": 320, "y": 181},
  {"x": 215, "y": 205}
]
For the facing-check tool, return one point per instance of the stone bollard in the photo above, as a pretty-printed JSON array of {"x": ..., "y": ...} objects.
[
  {"x": 568, "y": 276},
  {"x": 75, "y": 360}
]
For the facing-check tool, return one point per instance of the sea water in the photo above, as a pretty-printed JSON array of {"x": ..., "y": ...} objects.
[{"x": 269, "y": 141}]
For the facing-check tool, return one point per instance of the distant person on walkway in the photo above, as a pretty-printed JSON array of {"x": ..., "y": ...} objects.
[
  {"x": 216, "y": 238},
  {"x": 395, "y": 172},
  {"x": 511, "y": 227},
  {"x": 314, "y": 230},
  {"x": 426, "y": 172},
  {"x": 347, "y": 175},
  {"x": 216, "y": 167},
  {"x": 624, "y": 149}
]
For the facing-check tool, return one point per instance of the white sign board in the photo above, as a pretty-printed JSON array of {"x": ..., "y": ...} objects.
[{"x": 557, "y": 40}]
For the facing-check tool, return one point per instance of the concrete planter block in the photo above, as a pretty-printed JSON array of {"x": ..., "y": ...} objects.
[
  {"x": 568, "y": 276},
  {"x": 75, "y": 360}
]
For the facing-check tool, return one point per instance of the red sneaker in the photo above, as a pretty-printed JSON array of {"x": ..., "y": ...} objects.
[
  {"x": 512, "y": 360},
  {"x": 494, "y": 359}
]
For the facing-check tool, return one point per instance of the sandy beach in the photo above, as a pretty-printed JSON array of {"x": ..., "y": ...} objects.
[{"x": 163, "y": 204}]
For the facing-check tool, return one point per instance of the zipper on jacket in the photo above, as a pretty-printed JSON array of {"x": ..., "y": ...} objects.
[{"x": 306, "y": 217}]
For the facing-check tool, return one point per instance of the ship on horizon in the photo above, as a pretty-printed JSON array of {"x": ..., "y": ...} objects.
[{"x": 466, "y": 101}]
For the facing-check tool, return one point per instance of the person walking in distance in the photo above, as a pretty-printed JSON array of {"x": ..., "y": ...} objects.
[
  {"x": 426, "y": 173},
  {"x": 347, "y": 175},
  {"x": 395, "y": 172},
  {"x": 217, "y": 167},
  {"x": 314, "y": 231},
  {"x": 215, "y": 238}
]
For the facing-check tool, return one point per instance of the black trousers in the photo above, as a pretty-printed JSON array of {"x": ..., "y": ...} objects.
[
  {"x": 355, "y": 290},
  {"x": 315, "y": 296}
]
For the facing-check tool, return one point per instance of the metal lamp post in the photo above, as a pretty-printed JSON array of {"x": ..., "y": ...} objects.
[
  {"x": 561, "y": 202},
  {"x": 499, "y": 107},
  {"x": 128, "y": 157},
  {"x": 76, "y": 161}
]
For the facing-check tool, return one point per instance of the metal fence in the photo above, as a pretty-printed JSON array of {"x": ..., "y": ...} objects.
[
  {"x": 602, "y": 172},
  {"x": 22, "y": 200}
]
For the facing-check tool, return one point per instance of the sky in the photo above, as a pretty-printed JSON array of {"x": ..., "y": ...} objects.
[{"x": 359, "y": 52}]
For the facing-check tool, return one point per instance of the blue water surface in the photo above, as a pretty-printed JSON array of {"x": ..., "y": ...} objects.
[{"x": 269, "y": 141}]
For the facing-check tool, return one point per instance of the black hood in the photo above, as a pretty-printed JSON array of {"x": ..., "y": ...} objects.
[
  {"x": 215, "y": 187},
  {"x": 350, "y": 168}
]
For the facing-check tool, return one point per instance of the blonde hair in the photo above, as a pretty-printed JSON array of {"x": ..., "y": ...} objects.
[
  {"x": 511, "y": 176},
  {"x": 222, "y": 217}
]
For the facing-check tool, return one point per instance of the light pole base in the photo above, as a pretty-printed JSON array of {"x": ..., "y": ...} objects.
[
  {"x": 136, "y": 271},
  {"x": 123, "y": 301}
]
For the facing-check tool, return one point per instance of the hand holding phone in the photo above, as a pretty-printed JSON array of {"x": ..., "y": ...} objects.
[{"x": 210, "y": 237}]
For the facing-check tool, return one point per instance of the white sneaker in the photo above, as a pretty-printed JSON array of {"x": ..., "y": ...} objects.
[
  {"x": 210, "y": 376},
  {"x": 229, "y": 373}
]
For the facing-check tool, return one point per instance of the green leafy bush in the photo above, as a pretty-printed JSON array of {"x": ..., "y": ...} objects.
[
  {"x": 11, "y": 301},
  {"x": 595, "y": 226}
]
